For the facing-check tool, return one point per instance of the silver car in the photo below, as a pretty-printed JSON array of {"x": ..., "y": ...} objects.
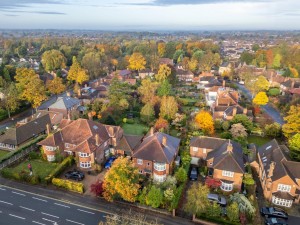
[{"x": 218, "y": 199}]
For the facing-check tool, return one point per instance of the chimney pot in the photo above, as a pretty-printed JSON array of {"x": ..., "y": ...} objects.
[
  {"x": 224, "y": 83},
  {"x": 48, "y": 128},
  {"x": 271, "y": 170},
  {"x": 164, "y": 141},
  {"x": 97, "y": 139},
  {"x": 229, "y": 147},
  {"x": 245, "y": 111},
  {"x": 68, "y": 94},
  {"x": 234, "y": 111},
  {"x": 151, "y": 132}
]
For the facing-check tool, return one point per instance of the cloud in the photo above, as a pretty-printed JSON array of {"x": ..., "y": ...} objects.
[
  {"x": 12, "y": 4},
  {"x": 11, "y": 15}
]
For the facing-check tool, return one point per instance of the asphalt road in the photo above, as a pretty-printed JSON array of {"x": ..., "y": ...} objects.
[
  {"x": 19, "y": 208},
  {"x": 273, "y": 113}
]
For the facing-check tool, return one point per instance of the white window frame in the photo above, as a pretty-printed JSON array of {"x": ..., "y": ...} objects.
[
  {"x": 83, "y": 154},
  {"x": 284, "y": 188},
  {"x": 67, "y": 145},
  {"x": 50, "y": 158},
  {"x": 139, "y": 161},
  {"x": 85, "y": 164},
  {"x": 195, "y": 149},
  {"x": 282, "y": 202},
  {"x": 50, "y": 148},
  {"x": 159, "y": 178},
  {"x": 204, "y": 150},
  {"x": 141, "y": 171},
  {"x": 226, "y": 186},
  {"x": 226, "y": 173},
  {"x": 160, "y": 166}
]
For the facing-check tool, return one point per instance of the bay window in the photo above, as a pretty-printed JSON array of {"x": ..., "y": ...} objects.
[
  {"x": 85, "y": 164},
  {"x": 160, "y": 166}
]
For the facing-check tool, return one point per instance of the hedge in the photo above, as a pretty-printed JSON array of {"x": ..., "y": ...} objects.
[
  {"x": 177, "y": 196},
  {"x": 69, "y": 185},
  {"x": 60, "y": 168},
  {"x": 12, "y": 153},
  {"x": 22, "y": 176}
]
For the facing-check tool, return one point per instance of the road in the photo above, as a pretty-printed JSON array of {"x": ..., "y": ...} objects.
[
  {"x": 273, "y": 113},
  {"x": 18, "y": 208}
]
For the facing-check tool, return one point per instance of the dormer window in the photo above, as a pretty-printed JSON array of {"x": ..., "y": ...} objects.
[{"x": 67, "y": 145}]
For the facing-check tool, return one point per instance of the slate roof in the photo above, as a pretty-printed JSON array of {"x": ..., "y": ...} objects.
[
  {"x": 228, "y": 160},
  {"x": 129, "y": 143},
  {"x": 206, "y": 142},
  {"x": 283, "y": 195},
  {"x": 152, "y": 148},
  {"x": 64, "y": 103},
  {"x": 18, "y": 135}
]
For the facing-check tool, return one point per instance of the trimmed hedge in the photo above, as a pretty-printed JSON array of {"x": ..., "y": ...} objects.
[
  {"x": 12, "y": 153},
  {"x": 59, "y": 169},
  {"x": 69, "y": 185},
  {"x": 22, "y": 176}
]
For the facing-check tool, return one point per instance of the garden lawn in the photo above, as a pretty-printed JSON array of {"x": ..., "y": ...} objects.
[
  {"x": 135, "y": 129},
  {"x": 3, "y": 153},
  {"x": 258, "y": 140},
  {"x": 39, "y": 167}
]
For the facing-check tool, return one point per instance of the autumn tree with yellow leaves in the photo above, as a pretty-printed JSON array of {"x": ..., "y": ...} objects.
[
  {"x": 137, "y": 61},
  {"x": 163, "y": 73},
  {"x": 205, "y": 122},
  {"x": 53, "y": 60},
  {"x": 161, "y": 49},
  {"x": 168, "y": 107},
  {"x": 76, "y": 73},
  {"x": 292, "y": 125},
  {"x": 261, "y": 98},
  {"x": 56, "y": 86},
  {"x": 121, "y": 180}
]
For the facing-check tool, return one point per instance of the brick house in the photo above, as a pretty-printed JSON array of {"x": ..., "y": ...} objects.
[
  {"x": 128, "y": 144},
  {"x": 223, "y": 158},
  {"x": 156, "y": 154},
  {"x": 90, "y": 142},
  {"x": 279, "y": 177},
  {"x": 65, "y": 105}
]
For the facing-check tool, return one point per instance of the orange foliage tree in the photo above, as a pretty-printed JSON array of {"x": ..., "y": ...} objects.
[
  {"x": 205, "y": 122},
  {"x": 161, "y": 123}
]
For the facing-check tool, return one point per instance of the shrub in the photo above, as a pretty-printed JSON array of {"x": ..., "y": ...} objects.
[
  {"x": 69, "y": 185},
  {"x": 97, "y": 188},
  {"x": 274, "y": 92},
  {"x": 177, "y": 196},
  {"x": 34, "y": 155},
  {"x": 226, "y": 135},
  {"x": 181, "y": 175},
  {"x": 22, "y": 176},
  {"x": 154, "y": 197},
  {"x": 130, "y": 121}
]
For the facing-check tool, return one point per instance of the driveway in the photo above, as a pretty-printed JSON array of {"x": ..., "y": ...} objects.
[{"x": 273, "y": 113}]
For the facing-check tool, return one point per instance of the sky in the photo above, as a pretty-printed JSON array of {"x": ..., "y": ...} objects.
[{"x": 148, "y": 15}]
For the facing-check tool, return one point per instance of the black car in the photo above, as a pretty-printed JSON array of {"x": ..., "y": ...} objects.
[
  {"x": 273, "y": 212},
  {"x": 74, "y": 175},
  {"x": 194, "y": 174},
  {"x": 275, "y": 221}
]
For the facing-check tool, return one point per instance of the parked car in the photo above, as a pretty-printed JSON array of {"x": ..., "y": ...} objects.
[
  {"x": 74, "y": 175},
  {"x": 194, "y": 174},
  {"x": 273, "y": 212},
  {"x": 109, "y": 162},
  {"x": 217, "y": 198},
  {"x": 275, "y": 221}
]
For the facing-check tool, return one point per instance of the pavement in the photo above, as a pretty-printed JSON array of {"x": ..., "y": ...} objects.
[
  {"x": 273, "y": 113},
  {"x": 77, "y": 208}
]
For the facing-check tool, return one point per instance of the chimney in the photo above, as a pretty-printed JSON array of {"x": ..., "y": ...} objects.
[
  {"x": 164, "y": 141},
  {"x": 229, "y": 147},
  {"x": 85, "y": 85},
  {"x": 234, "y": 111},
  {"x": 79, "y": 92},
  {"x": 68, "y": 94},
  {"x": 69, "y": 115},
  {"x": 245, "y": 111},
  {"x": 271, "y": 170},
  {"x": 97, "y": 139},
  {"x": 293, "y": 84},
  {"x": 224, "y": 83},
  {"x": 111, "y": 131},
  {"x": 48, "y": 128},
  {"x": 151, "y": 132}
]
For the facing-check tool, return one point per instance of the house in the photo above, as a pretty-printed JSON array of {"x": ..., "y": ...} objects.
[
  {"x": 288, "y": 84},
  {"x": 278, "y": 175},
  {"x": 22, "y": 133},
  {"x": 128, "y": 144},
  {"x": 166, "y": 61},
  {"x": 228, "y": 112},
  {"x": 225, "y": 67},
  {"x": 55, "y": 118},
  {"x": 156, "y": 154},
  {"x": 184, "y": 75},
  {"x": 65, "y": 105},
  {"x": 224, "y": 159},
  {"x": 145, "y": 73},
  {"x": 90, "y": 142},
  {"x": 207, "y": 82}
]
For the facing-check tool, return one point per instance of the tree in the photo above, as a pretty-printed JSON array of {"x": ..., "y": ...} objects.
[
  {"x": 261, "y": 98},
  {"x": 196, "y": 199},
  {"x": 209, "y": 60},
  {"x": 56, "y": 86},
  {"x": 53, "y": 60},
  {"x": 262, "y": 83},
  {"x": 244, "y": 205},
  {"x": 238, "y": 130},
  {"x": 292, "y": 125},
  {"x": 161, "y": 124},
  {"x": 244, "y": 120},
  {"x": 213, "y": 210},
  {"x": 164, "y": 88},
  {"x": 163, "y": 73},
  {"x": 161, "y": 48},
  {"x": 23, "y": 77},
  {"x": 247, "y": 57},
  {"x": 277, "y": 61},
  {"x": 118, "y": 94},
  {"x": 76, "y": 73},
  {"x": 205, "y": 122},
  {"x": 255, "y": 47},
  {"x": 273, "y": 130},
  {"x": 10, "y": 101},
  {"x": 233, "y": 212},
  {"x": 168, "y": 107},
  {"x": 154, "y": 197},
  {"x": 91, "y": 61},
  {"x": 22, "y": 51},
  {"x": 137, "y": 61},
  {"x": 147, "y": 113},
  {"x": 97, "y": 188},
  {"x": 212, "y": 182},
  {"x": 181, "y": 175},
  {"x": 270, "y": 57},
  {"x": 121, "y": 180},
  {"x": 147, "y": 91},
  {"x": 248, "y": 179},
  {"x": 294, "y": 145}
]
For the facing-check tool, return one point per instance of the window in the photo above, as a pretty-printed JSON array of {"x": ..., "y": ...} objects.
[
  {"x": 227, "y": 173},
  {"x": 148, "y": 164},
  {"x": 85, "y": 164},
  {"x": 282, "y": 202},
  {"x": 204, "y": 150},
  {"x": 82, "y": 154},
  {"x": 195, "y": 149},
  {"x": 160, "y": 166},
  {"x": 67, "y": 145},
  {"x": 51, "y": 158},
  {"x": 50, "y": 148},
  {"x": 140, "y": 161},
  {"x": 159, "y": 178},
  {"x": 141, "y": 171},
  {"x": 284, "y": 188},
  {"x": 226, "y": 186}
]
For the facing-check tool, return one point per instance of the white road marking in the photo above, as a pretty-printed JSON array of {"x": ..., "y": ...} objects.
[
  {"x": 0, "y": 211},
  {"x": 39, "y": 199},
  {"x": 2, "y": 189},
  {"x": 27, "y": 208},
  {"x": 71, "y": 221},
  {"x": 49, "y": 220},
  {"x": 17, "y": 216},
  {"x": 85, "y": 211},
  {"x": 8, "y": 203},
  {"x": 18, "y": 193},
  {"x": 62, "y": 205},
  {"x": 38, "y": 222},
  {"x": 50, "y": 215}
]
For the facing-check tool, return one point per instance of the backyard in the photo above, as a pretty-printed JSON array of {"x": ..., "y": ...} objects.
[
  {"x": 258, "y": 140},
  {"x": 134, "y": 129}
]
